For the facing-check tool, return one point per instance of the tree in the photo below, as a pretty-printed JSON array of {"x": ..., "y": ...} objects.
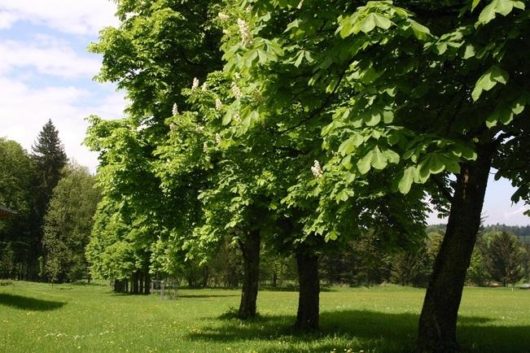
[
  {"x": 278, "y": 100},
  {"x": 157, "y": 50},
  {"x": 16, "y": 236},
  {"x": 402, "y": 102},
  {"x": 49, "y": 159},
  {"x": 503, "y": 258},
  {"x": 68, "y": 223}
]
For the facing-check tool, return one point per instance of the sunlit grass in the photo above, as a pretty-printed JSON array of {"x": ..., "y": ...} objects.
[{"x": 74, "y": 318}]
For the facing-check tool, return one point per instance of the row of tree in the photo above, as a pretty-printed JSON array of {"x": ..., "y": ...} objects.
[
  {"x": 54, "y": 203},
  {"x": 303, "y": 125}
]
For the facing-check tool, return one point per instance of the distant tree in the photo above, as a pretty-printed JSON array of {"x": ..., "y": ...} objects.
[
  {"x": 16, "y": 173},
  {"x": 49, "y": 159},
  {"x": 413, "y": 266},
  {"x": 504, "y": 256},
  {"x": 68, "y": 223}
]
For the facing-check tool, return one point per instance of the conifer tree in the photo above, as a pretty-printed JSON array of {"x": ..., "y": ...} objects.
[{"x": 49, "y": 158}]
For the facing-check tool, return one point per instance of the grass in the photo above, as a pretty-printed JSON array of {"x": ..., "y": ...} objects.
[{"x": 90, "y": 318}]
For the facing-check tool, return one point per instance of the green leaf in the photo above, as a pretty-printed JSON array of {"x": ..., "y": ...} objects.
[
  {"x": 388, "y": 116},
  {"x": 381, "y": 21},
  {"x": 346, "y": 27},
  {"x": 227, "y": 118},
  {"x": 364, "y": 164},
  {"x": 489, "y": 80},
  {"x": 348, "y": 146},
  {"x": 474, "y": 4},
  {"x": 346, "y": 162},
  {"x": 420, "y": 31},
  {"x": 406, "y": 180},
  {"x": 379, "y": 160},
  {"x": 368, "y": 24},
  {"x": 502, "y": 7},
  {"x": 469, "y": 51},
  {"x": 373, "y": 119},
  {"x": 299, "y": 58},
  {"x": 391, "y": 156}
]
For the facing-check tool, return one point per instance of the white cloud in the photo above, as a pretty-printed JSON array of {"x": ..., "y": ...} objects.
[
  {"x": 47, "y": 56},
  {"x": 40, "y": 60},
  {"x": 7, "y": 19},
  {"x": 69, "y": 16},
  {"x": 23, "y": 112}
]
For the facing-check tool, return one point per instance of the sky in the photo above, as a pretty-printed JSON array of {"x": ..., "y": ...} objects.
[{"x": 47, "y": 73}]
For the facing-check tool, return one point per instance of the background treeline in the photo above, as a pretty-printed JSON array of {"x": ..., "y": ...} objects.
[
  {"x": 500, "y": 258},
  {"x": 54, "y": 203}
]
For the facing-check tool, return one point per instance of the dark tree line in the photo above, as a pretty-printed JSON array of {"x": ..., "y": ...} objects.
[{"x": 54, "y": 204}]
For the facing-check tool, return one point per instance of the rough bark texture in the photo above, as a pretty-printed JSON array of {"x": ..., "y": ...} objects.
[
  {"x": 307, "y": 317},
  {"x": 250, "y": 248},
  {"x": 437, "y": 326}
]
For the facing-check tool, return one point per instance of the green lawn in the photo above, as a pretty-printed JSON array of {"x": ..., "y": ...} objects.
[{"x": 74, "y": 318}]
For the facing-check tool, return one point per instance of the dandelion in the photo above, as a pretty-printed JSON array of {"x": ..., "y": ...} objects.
[
  {"x": 244, "y": 32},
  {"x": 223, "y": 17},
  {"x": 236, "y": 91},
  {"x": 316, "y": 169},
  {"x": 175, "y": 109},
  {"x": 195, "y": 83},
  {"x": 218, "y": 104}
]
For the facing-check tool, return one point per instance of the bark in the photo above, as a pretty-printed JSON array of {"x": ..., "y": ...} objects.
[
  {"x": 250, "y": 248},
  {"x": 437, "y": 325},
  {"x": 147, "y": 283},
  {"x": 308, "y": 301}
]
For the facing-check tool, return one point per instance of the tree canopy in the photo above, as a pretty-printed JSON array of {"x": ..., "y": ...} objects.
[{"x": 328, "y": 121}]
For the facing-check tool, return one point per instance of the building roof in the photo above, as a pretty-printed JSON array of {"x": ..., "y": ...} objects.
[{"x": 6, "y": 212}]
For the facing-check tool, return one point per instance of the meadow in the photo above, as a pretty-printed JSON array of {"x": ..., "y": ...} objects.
[{"x": 36, "y": 317}]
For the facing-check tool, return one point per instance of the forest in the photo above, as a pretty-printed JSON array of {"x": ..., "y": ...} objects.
[{"x": 289, "y": 143}]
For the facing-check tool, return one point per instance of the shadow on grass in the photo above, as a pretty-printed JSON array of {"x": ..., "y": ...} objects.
[
  {"x": 28, "y": 303},
  {"x": 360, "y": 330}
]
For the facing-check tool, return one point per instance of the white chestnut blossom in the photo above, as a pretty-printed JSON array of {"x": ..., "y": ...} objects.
[
  {"x": 316, "y": 169},
  {"x": 236, "y": 91},
  {"x": 195, "y": 83},
  {"x": 223, "y": 17},
  {"x": 217, "y": 138},
  {"x": 175, "y": 109},
  {"x": 244, "y": 32},
  {"x": 204, "y": 86},
  {"x": 218, "y": 104}
]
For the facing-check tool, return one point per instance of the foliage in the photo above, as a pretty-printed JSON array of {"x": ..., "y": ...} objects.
[
  {"x": 16, "y": 176},
  {"x": 49, "y": 158},
  {"x": 68, "y": 224},
  {"x": 157, "y": 50},
  {"x": 503, "y": 258}
]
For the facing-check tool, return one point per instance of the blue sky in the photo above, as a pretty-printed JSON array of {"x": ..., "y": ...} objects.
[{"x": 45, "y": 72}]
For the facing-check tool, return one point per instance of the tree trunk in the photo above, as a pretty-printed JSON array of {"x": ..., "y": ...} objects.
[
  {"x": 250, "y": 248},
  {"x": 437, "y": 325},
  {"x": 147, "y": 283},
  {"x": 308, "y": 301}
]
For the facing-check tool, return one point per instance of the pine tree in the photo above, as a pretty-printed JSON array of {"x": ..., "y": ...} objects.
[{"x": 49, "y": 159}]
